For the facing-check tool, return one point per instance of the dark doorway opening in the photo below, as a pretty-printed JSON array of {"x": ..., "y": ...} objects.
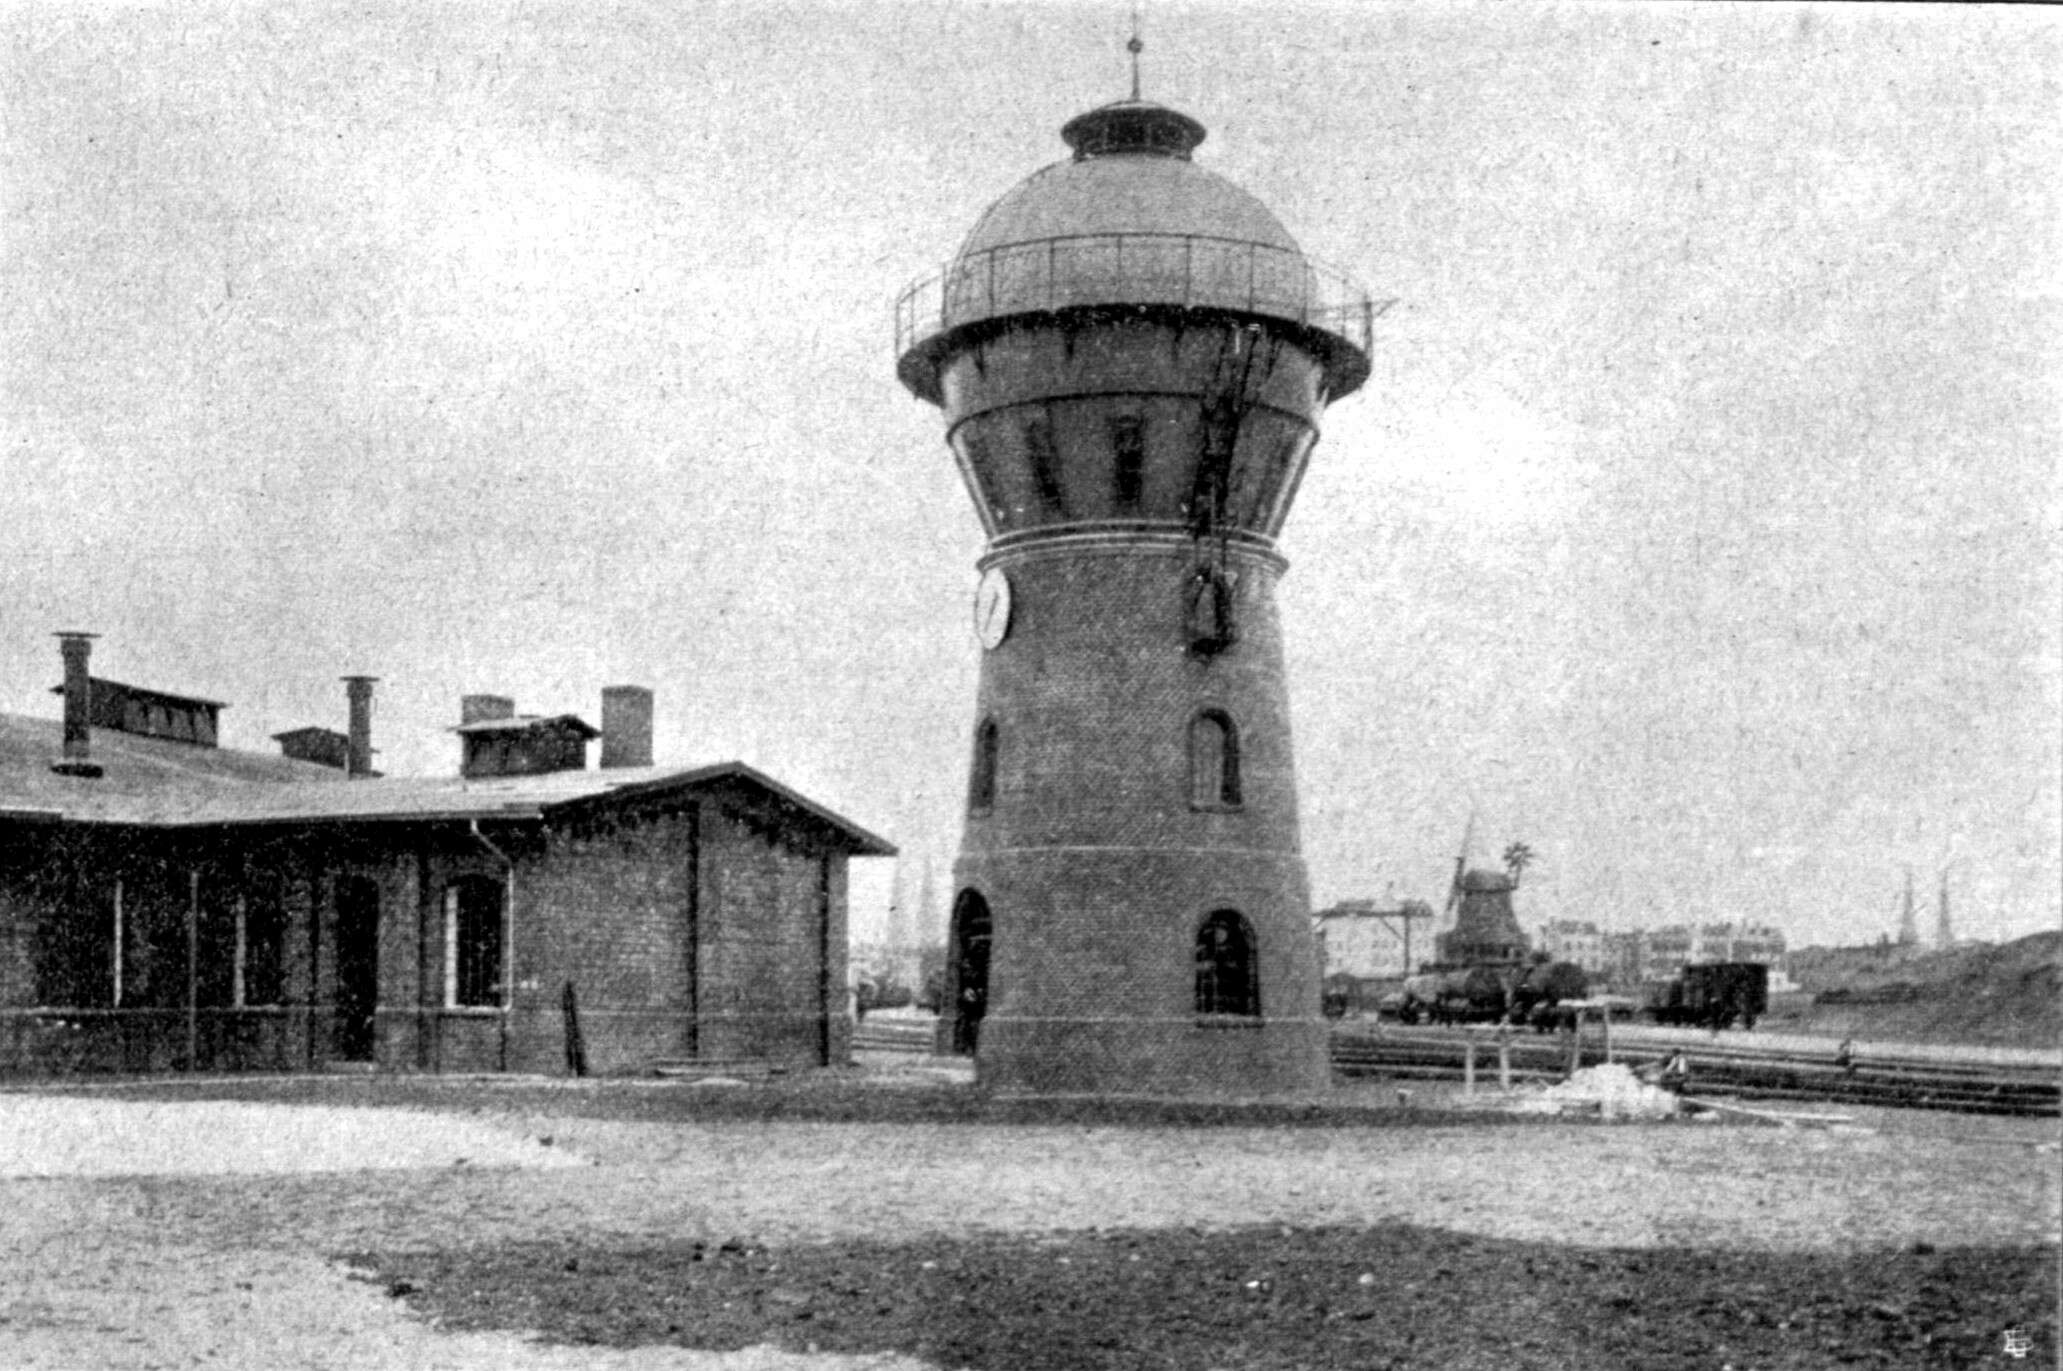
[
  {"x": 972, "y": 931},
  {"x": 358, "y": 969}
]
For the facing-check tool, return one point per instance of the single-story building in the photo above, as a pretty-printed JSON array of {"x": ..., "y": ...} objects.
[{"x": 166, "y": 903}]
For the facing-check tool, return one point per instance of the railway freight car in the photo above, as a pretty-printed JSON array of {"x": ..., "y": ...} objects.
[{"x": 1714, "y": 995}]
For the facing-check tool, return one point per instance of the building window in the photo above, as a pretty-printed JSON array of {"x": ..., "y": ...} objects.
[
  {"x": 1213, "y": 761},
  {"x": 473, "y": 943},
  {"x": 981, "y": 786},
  {"x": 1045, "y": 463},
  {"x": 1128, "y": 442},
  {"x": 1228, "y": 979}
]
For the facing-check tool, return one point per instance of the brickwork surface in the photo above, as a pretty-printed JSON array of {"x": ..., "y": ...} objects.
[
  {"x": 1101, "y": 855},
  {"x": 737, "y": 949}
]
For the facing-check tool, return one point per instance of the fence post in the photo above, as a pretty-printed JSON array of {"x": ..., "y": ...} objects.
[
  {"x": 1468, "y": 1069},
  {"x": 576, "y": 1049}
]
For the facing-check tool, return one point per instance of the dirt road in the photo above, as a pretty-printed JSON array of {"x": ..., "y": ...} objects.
[{"x": 174, "y": 1234}]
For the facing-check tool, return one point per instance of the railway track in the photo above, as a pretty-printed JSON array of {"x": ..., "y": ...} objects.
[
  {"x": 882, "y": 1034},
  {"x": 1729, "y": 1068}
]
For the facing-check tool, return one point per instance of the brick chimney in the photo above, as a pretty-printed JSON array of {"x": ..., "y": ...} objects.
[
  {"x": 358, "y": 760},
  {"x": 476, "y": 709},
  {"x": 626, "y": 726},
  {"x": 77, "y": 648}
]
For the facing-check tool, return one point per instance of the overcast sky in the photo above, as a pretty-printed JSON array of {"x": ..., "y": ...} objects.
[{"x": 1699, "y": 524}]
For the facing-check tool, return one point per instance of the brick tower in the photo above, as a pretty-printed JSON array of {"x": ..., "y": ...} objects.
[{"x": 1132, "y": 355}]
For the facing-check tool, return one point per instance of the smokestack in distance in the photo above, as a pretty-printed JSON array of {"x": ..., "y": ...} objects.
[
  {"x": 77, "y": 648},
  {"x": 358, "y": 756},
  {"x": 626, "y": 726}
]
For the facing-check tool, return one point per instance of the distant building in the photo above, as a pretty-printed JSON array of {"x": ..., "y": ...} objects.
[
  {"x": 1365, "y": 941},
  {"x": 1624, "y": 954},
  {"x": 166, "y": 903},
  {"x": 1661, "y": 952},
  {"x": 1580, "y": 942}
]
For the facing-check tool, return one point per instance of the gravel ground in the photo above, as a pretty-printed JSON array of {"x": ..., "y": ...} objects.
[{"x": 194, "y": 1232}]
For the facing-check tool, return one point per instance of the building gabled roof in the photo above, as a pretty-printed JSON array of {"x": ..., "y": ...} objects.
[
  {"x": 403, "y": 798},
  {"x": 159, "y": 783}
]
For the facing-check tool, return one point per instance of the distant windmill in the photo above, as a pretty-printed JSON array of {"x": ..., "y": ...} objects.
[
  {"x": 1468, "y": 837},
  {"x": 1944, "y": 936}
]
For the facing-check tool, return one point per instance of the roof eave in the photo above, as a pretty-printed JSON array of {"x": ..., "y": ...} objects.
[{"x": 860, "y": 842}]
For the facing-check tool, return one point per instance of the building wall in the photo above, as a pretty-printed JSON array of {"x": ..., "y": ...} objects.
[
  {"x": 723, "y": 906},
  {"x": 59, "y": 894},
  {"x": 1579, "y": 942},
  {"x": 1356, "y": 943},
  {"x": 773, "y": 947},
  {"x": 609, "y": 907}
]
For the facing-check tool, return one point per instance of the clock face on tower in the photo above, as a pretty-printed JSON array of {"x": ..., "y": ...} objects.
[{"x": 992, "y": 608}]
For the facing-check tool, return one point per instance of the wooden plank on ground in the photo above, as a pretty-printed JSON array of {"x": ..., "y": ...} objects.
[{"x": 1770, "y": 1116}]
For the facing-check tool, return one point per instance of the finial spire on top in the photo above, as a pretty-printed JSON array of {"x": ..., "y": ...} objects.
[{"x": 1135, "y": 47}]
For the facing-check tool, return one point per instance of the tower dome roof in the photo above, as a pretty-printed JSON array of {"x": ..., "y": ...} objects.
[
  {"x": 1129, "y": 195},
  {"x": 1130, "y": 222},
  {"x": 1131, "y": 174}
]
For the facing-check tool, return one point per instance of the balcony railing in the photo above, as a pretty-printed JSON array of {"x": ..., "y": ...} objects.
[{"x": 1135, "y": 268}]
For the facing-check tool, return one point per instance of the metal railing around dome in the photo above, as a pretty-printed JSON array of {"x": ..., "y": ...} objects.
[{"x": 1135, "y": 268}]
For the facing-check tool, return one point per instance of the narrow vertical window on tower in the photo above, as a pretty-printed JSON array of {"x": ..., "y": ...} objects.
[
  {"x": 1213, "y": 761},
  {"x": 1045, "y": 463},
  {"x": 1208, "y": 616},
  {"x": 982, "y": 477},
  {"x": 1128, "y": 446},
  {"x": 981, "y": 786},
  {"x": 1228, "y": 980}
]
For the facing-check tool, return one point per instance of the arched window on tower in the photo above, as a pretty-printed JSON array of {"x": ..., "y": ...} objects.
[
  {"x": 1213, "y": 761},
  {"x": 981, "y": 786},
  {"x": 1228, "y": 977}
]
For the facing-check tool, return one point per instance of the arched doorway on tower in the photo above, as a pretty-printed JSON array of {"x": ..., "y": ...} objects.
[{"x": 968, "y": 958}]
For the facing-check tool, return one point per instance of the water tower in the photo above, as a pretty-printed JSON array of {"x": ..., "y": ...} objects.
[{"x": 1132, "y": 356}]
